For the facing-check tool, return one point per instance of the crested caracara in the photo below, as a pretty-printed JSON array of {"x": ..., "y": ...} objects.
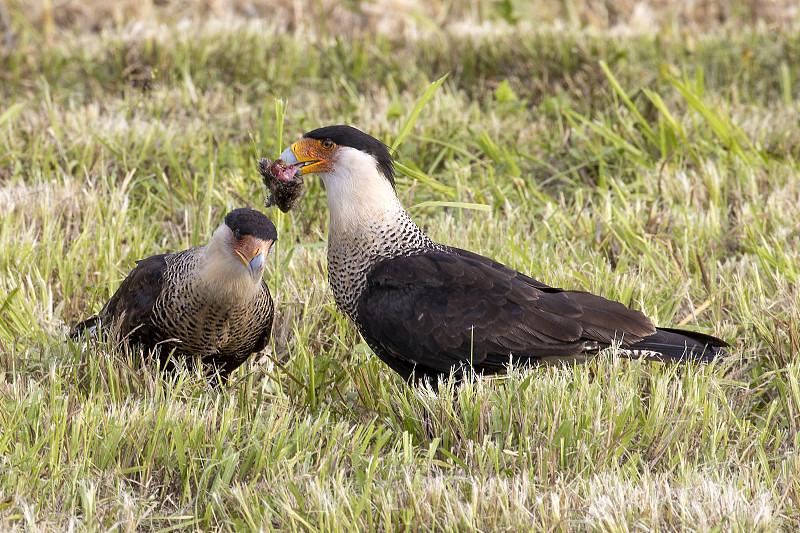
[
  {"x": 208, "y": 302},
  {"x": 427, "y": 309}
]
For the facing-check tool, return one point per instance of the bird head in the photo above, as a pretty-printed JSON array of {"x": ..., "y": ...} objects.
[
  {"x": 247, "y": 235},
  {"x": 357, "y": 169},
  {"x": 328, "y": 150}
]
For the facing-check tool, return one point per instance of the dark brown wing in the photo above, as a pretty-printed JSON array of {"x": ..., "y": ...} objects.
[
  {"x": 130, "y": 309},
  {"x": 438, "y": 310}
]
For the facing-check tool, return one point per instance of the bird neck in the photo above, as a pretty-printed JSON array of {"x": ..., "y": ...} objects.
[
  {"x": 366, "y": 224},
  {"x": 363, "y": 204},
  {"x": 361, "y": 215},
  {"x": 374, "y": 228}
]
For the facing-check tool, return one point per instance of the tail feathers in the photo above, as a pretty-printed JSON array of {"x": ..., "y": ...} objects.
[
  {"x": 86, "y": 328},
  {"x": 676, "y": 345}
]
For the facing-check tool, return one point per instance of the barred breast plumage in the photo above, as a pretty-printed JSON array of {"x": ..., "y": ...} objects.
[{"x": 351, "y": 257}]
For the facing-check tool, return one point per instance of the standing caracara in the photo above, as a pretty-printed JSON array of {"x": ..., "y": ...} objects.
[
  {"x": 427, "y": 309},
  {"x": 208, "y": 302}
]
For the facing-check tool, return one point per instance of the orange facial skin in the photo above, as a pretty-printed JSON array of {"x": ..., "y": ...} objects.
[
  {"x": 252, "y": 253},
  {"x": 314, "y": 154}
]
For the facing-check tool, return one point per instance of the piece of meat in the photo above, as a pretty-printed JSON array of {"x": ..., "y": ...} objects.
[{"x": 284, "y": 185}]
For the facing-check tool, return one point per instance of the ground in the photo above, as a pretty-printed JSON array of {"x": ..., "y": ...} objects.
[{"x": 644, "y": 151}]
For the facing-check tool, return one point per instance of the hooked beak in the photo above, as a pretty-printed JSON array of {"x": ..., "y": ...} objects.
[
  {"x": 256, "y": 266},
  {"x": 307, "y": 156}
]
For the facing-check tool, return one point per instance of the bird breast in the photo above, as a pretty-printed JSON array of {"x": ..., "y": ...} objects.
[
  {"x": 352, "y": 254},
  {"x": 205, "y": 313}
]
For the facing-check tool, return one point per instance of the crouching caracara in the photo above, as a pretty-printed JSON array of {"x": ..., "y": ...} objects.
[
  {"x": 208, "y": 302},
  {"x": 426, "y": 309}
]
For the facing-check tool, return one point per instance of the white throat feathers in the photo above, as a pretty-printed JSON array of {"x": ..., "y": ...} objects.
[
  {"x": 361, "y": 199},
  {"x": 223, "y": 271}
]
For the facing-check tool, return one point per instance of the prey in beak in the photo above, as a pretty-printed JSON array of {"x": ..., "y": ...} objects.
[
  {"x": 283, "y": 182},
  {"x": 282, "y": 176}
]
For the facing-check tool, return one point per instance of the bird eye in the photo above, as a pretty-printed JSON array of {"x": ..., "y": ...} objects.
[
  {"x": 327, "y": 144},
  {"x": 238, "y": 234}
]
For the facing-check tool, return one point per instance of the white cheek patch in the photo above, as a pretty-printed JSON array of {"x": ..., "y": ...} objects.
[{"x": 359, "y": 196}]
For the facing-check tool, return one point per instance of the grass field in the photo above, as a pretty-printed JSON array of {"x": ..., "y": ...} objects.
[{"x": 649, "y": 155}]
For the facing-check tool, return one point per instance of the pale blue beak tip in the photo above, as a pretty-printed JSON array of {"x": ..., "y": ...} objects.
[{"x": 256, "y": 266}]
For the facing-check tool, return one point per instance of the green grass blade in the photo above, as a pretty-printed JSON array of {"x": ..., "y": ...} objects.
[
  {"x": 280, "y": 116},
  {"x": 458, "y": 205},
  {"x": 424, "y": 178},
  {"x": 408, "y": 125},
  {"x": 11, "y": 113}
]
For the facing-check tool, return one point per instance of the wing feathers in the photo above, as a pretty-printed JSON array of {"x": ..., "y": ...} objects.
[
  {"x": 443, "y": 309},
  {"x": 132, "y": 304}
]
